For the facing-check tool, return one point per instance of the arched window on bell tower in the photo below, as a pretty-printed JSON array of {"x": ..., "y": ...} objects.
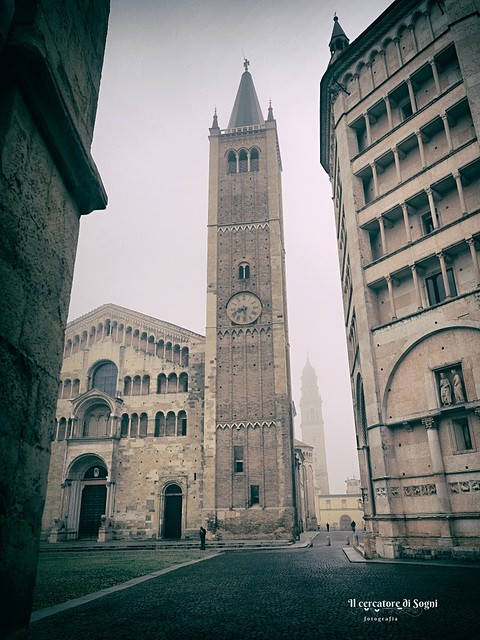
[
  {"x": 232, "y": 162},
  {"x": 243, "y": 161},
  {"x": 254, "y": 162},
  {"x": 243, "y": 271}
]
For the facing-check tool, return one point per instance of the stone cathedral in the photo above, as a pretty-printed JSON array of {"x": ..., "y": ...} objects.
[{"x": 160, "y": 430}]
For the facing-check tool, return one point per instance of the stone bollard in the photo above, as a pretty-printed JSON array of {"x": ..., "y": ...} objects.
[
  {"x": 310, "y": 541},
  {"x": 347, "y": 540},
  {"x": 355, "y": 540},
  {"x": 328, "y": 541}
]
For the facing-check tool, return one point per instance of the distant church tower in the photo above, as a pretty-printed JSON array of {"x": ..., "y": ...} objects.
[
  {"x": 248, "y": 429},
  {"x": 312, "y": 426}
]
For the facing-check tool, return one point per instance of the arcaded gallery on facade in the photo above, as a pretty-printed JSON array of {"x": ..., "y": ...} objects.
[
  {"x": 400, "y": 121},
  {"x": 160, "y": 430}
]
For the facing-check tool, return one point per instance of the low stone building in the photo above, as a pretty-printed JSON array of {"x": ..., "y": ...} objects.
[{"x": 339, "y": 510}]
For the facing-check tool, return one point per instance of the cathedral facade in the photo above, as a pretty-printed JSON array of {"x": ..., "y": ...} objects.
[
  {"x": 400, "y": 122},
  {"x": 160, "y": 430}
]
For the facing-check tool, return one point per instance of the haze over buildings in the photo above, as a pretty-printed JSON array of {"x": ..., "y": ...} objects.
[{"x": 167, "y": 66}]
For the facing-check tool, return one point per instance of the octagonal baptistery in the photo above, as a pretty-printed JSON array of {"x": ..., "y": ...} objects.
[{"x": 126, "y": 452}]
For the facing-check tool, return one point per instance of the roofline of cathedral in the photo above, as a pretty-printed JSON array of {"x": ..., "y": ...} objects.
[{"x": 133, "y": 314}]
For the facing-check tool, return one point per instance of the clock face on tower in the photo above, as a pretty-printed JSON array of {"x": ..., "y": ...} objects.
[{"x": 244, "y": 308}]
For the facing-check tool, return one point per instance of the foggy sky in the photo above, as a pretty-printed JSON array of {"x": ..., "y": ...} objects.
[{"x": 168, "y": 65}]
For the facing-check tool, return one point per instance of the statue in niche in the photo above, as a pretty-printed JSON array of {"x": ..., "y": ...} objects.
[
  {"x": 457, "y": 387},
  {"x": 445, "y": 390}
]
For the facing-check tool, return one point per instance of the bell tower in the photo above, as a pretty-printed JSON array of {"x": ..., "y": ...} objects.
[
  {"x": 248, "y": 430},
  {"x": 312, "y": 426}
]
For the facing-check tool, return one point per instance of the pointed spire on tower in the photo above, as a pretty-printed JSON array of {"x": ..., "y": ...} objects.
[
  {"x": 215, "y": 120},
  {"x": 270, "y": 111},
  {"x": 246, "y": 110},
  {"x": 339, "y": 41}
]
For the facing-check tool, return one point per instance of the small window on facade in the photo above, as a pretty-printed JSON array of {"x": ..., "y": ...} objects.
[
  {"x": 344, "y": 504},
  {"x": 436, "y": 289},
  {"x": 238, "y": 459},
  {"x": 243, "y": 161},
  {"x": 254, "y": 494},
  {"x": 427, "y": 223},
  {"x": 244, "y": 271},
  {"x": 254, "y": 163},
  {"x": 328, "y": 504},
  {"x": 105, "y": 378},
  {"x": 462, "y": 435},
  {"x": 232, "y": 162}
]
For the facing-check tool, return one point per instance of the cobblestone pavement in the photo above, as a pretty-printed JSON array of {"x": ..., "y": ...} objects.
[{"x": 289, "y": 594}]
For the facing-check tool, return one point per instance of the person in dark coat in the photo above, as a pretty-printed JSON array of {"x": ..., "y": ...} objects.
[
  {"x": 328, "y": 527},
  {"x": 353, "y": 525},
  {"x": 203, "y": 534}
]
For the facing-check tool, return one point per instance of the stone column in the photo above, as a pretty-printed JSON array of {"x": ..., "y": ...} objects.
[
  {"x": 389, "y": 112},
  {"x": 384, "y": 58},
  {"x": 372, "y": 77},
  {"x": 406, "y": 221},
  {"x": 429, "y": 21},
  {"x": 382, "y": 236},
  {"x": 391, "y": 296},
  {"x": 375, "y": 179},
  {"x": 411, "y": 94},
  {"x": 473, "y": 253},
  {"x": 435, "y": 76},
  {"x": 421, "y": 148},
  {"x": 446, "y": 284},
  {"x": 431, "y": 204},
  {"x": 438, "y": 469},
  {"x": 399, "y": 51},
  {"x": 356, "y": 77},
  {"x": 368, "y": 129},
  {"x": 461, "y": 197},
  {"x": 397, "y": 164},
  {"x": 411, "y": 28},
  {"x": 413, "y": 268},
  {"x": 447, "y": 131}
]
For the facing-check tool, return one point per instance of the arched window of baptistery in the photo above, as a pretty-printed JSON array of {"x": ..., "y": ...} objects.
[
  {"x": 127, "y": 386},
  {"x": 185, "y": 357}
]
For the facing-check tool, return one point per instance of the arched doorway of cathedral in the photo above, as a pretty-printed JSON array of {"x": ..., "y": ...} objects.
[
  {"x": 345, "y": 522},
  {"x": 88, "y": 486},
  {"x": 172, "y": 527}
]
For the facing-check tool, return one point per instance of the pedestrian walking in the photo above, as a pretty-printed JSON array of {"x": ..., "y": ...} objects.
[
  {"x": 328, "y": 527},
  {"x": 353, "y": 525},
  {"x": 203, "y": 534}
]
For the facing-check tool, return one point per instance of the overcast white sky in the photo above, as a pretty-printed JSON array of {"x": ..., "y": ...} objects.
[{"x": 168, "y": 64}]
